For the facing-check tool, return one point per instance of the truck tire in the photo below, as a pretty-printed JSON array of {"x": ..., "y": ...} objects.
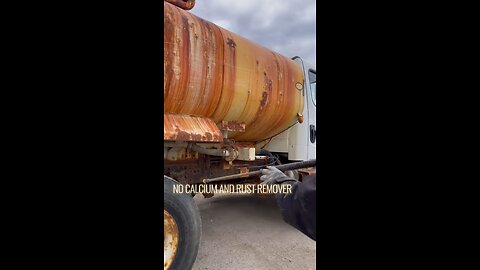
[{"x": 182, "y": 228}]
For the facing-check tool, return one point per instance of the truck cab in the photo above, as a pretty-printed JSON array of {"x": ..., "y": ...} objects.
[{"x": 299, "y": 142}]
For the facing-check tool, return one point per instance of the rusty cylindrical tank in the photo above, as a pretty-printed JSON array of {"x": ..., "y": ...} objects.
[{"x": 211, "y": 72}]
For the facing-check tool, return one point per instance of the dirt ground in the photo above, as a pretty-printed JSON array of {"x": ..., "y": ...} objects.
[{"x": 247, "y": 232}]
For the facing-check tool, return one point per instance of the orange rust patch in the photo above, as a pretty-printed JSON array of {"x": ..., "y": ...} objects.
[
  {"x": 232, "y": 126},
  {"x": 170, "y": 239},
  {"x": 184, "y": 4},
  {"x": 190, "y": 129}
]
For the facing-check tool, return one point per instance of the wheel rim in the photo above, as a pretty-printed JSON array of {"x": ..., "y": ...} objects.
[{"x": 170, "y": 239}]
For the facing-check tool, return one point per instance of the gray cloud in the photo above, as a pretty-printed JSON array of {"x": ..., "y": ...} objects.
[{"x": 287, "y": 27}]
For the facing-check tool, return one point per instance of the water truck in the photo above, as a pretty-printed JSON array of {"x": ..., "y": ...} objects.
[{"x": 231, "y": 107}]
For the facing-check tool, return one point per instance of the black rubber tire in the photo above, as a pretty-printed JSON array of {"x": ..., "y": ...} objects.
[{"x": 186, "y": 215}]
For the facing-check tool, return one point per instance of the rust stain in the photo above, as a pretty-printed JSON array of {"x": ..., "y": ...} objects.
[
  {"x": 230, "y": 42},
  {"x": 170, "y": 239},
  {"x": 193, "y": 171},
  {"x": 190, "y": 129},
  {"x": 184, "y": 4},
  {"x": 232, "y": 126},
  {"x": 213, "y": 73}
]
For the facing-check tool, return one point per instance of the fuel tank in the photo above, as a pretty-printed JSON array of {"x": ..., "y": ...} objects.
[{"x": 214, "y": 73}]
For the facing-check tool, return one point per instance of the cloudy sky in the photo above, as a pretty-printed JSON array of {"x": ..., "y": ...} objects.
[{"x": 285, "y": 26}]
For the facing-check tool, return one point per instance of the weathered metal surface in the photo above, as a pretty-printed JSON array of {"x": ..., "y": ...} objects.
[
  {"x": 190, "y": 129},
  {"x": 194, "y": 171},
  {"x": 170, "y": 239},
  {"x": 185, "y": 4},
  {"x": 214, "y": 73},
  {"x": 232, "y": 126},
  {"x": 179, "y": 153}
]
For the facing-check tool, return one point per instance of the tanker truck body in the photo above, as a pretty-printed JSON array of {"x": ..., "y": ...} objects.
[{"x": 230, "y": 107}]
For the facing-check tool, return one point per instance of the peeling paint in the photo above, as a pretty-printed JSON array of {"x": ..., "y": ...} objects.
[{"x": 190, "y": 129}]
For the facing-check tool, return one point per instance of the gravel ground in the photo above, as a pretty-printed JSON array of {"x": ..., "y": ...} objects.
[{"x": 247, "y": 232}]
